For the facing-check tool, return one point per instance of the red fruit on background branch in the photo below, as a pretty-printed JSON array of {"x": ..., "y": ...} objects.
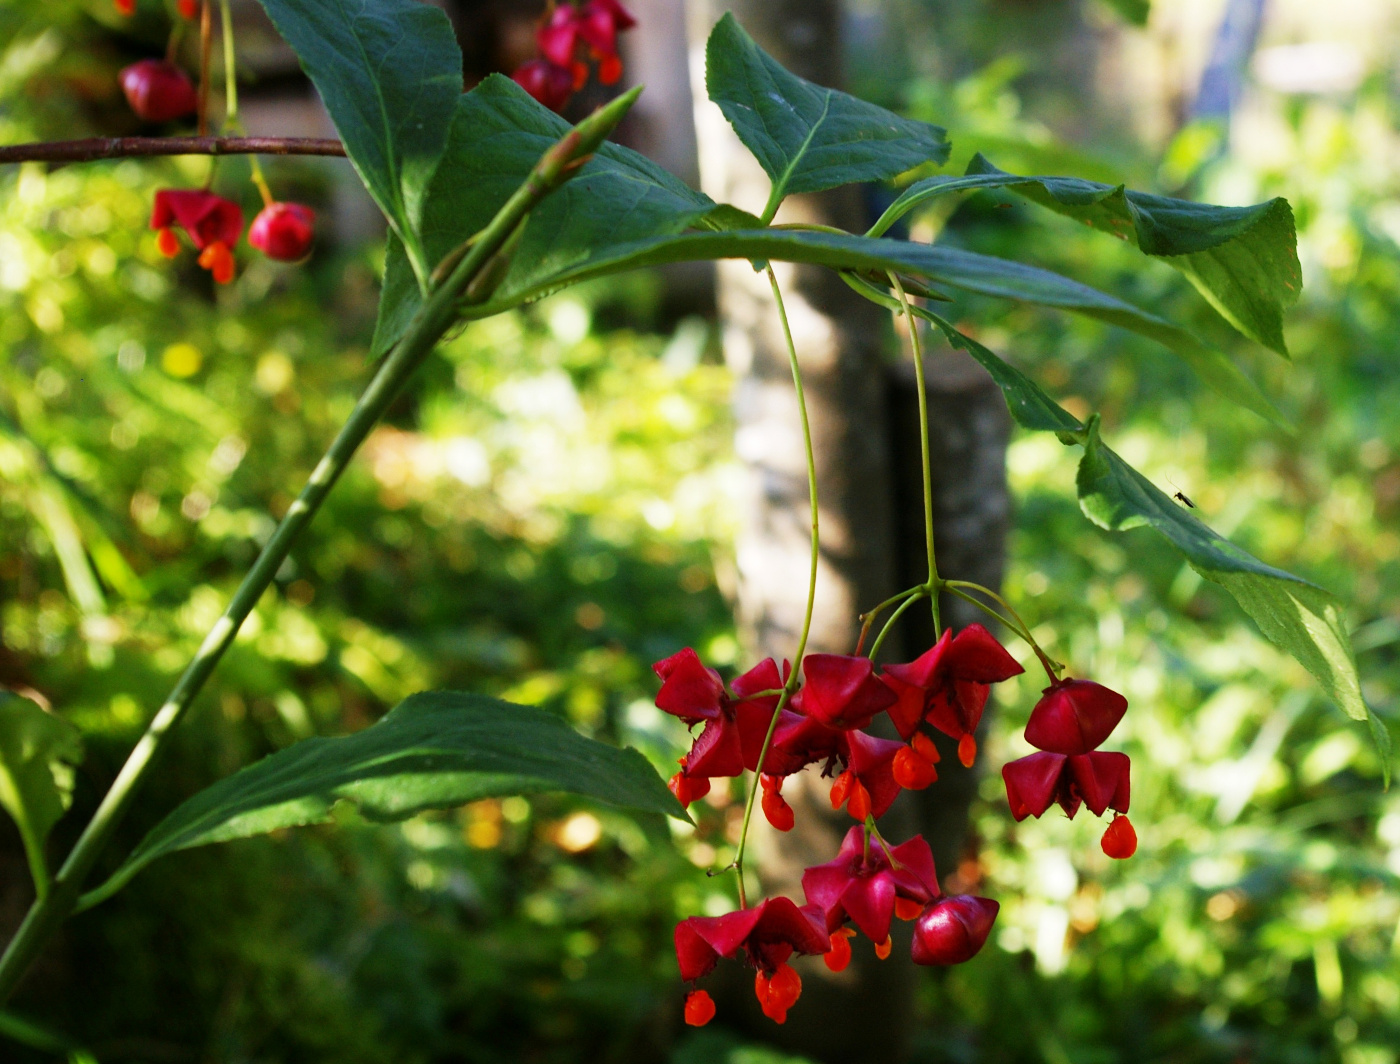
[
  {"x": 283, "y": 231},
  {"x": 125, "y": 7},
  {"x": 212, "y": 223},
  {"x": 953, "y": 929},
  {"x": 158, "y": 91},
  {"x": 188, "y": 9},
  {"x": 549, "y": 84},
  {"x": 948, "y": 685},
  {"x": 1074, "y": 717}
]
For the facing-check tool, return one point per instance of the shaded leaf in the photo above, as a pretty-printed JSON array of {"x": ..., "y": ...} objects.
[
  {"x": 498, "y": 134},
  {"x": 1244, "y": 260},
  {"x": 37, "y": 753},
  {"x": 806, "y": 137},
  {"x": 1029, "y": 406},
  {"x": 950, "y": 266},
  {"x": 433, "y": 750},
  {"x": 390, "y": 73}
]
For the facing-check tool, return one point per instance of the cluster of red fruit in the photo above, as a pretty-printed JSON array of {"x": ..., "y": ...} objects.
[
  {"x": 870, "y": 881},
  {"x": 159, "y": 91},
  {"x": 568, "y": 34}
]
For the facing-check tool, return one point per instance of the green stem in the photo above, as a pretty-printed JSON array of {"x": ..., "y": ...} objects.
[
  {"x": 1018, "y": 626},
  {"x": 436, "y": 316},
  {"x": 34, "y": 854},
  {"x": 889, "y": 625},
  {"x": 923, "y": 451},
  {"x": 791, "y": 685},
  {"x": 868, "y": 618},
  {"x": 230, "y": 64}
]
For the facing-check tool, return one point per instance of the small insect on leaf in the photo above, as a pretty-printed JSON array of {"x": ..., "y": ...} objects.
[{"x": 1180, "y": 496}]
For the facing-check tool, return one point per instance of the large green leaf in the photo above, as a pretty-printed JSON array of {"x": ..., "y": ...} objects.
[
  {"x": 37, "y": 754},
  {"x": 1244, "y": 260},
  {"x": 389, "y": 72},
  {"x": 434, "y": 750},
  {"x": 958, "y": 269},
  {"x": 498, "y": 133},
  {"x": 1298, "y": 617},
  {"x": 1116, "y": 496},
  {"x": 807, "y": 137}
]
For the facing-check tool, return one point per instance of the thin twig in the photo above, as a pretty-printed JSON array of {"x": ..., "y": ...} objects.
[{"x": 92, "y": 149}]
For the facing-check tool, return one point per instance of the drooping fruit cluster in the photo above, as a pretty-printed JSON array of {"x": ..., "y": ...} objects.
[
  {"x": 1068, "y": 724},
  {"x": 569, "y": 36},
  {"x": 764, "y": 722}
]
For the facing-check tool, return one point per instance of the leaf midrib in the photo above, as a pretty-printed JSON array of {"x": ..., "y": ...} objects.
[{"x": 780, "y": 183}]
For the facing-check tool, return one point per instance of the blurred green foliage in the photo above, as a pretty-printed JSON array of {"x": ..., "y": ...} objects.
[{"x": 549, "y": 512}]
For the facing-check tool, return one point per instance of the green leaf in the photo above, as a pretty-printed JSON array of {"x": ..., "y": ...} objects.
[
  {"x": 1135, "y": 11},
  {"x": 1298, "y": 617},
  {"x": 434, "y": 750},
  {"x": 497, "y": 135},
  {"x": 958, "y": 269},
  {"x": 390, "y": 73},
  {"x": 806, "y": 137},
  {"x": 1243, "y": 260},
  {"x": 1029, "y": 406},
  {"x": 37, "y": 753},
  {"x": 1116, "y": 496}
]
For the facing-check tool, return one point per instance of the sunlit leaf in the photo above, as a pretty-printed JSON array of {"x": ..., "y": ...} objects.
[
  {"x": 807, "y": 137},
  {"x": 390, "y": 73},
  {"x": 37, "y": 754},
  {"x": 1244, "y": 260},
  {"x": 1298, "y": 617},
  {"x": 498, "y": 134},
  {"x": 434, "y": 750}
]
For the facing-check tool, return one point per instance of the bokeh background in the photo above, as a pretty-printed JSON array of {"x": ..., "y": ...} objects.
[{"x": 554, "y": 505}]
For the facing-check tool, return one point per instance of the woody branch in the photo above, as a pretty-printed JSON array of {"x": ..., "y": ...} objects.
[{"x": 92, "y": 149}]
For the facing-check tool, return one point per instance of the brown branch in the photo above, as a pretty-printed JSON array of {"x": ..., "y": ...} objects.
[{"x": 94, "y": 148}]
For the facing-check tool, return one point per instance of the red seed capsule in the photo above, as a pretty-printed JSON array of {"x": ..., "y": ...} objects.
[
  {"x": 699, "y": 1008},
  {"x": 283, "y": 231},
  {"x": 859, "y": 804},
  {"x": 688, "y": 788},
  {"x": 840, "y": 956},
  {"x": 218, "y": 260},
  {"x": 158, "y": 91},
  {"x": 953, "y": 929},
  {"x": 1119, "y": 839},
  {"x": 911, "y": 771},
  {"x": 1074, "y": 717},
  {"x": 967, "y": 750},
  {"x": 778, "y": 812}
]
